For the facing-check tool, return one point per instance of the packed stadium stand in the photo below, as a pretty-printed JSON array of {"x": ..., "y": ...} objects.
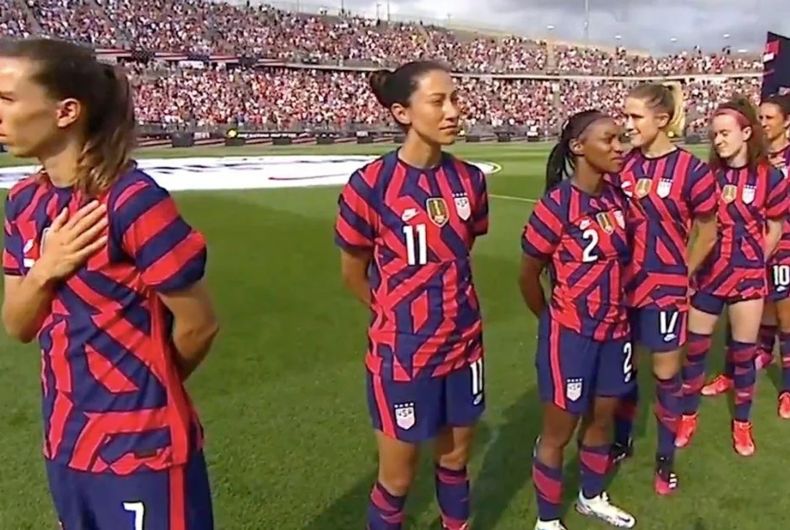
[{"x": 208, "y": 64}]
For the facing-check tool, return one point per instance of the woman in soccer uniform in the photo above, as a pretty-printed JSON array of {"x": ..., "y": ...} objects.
[
  {"x": 102, "y": 269},
  {"x": 406, "y": 226},
  {"x": 669, "y": 190},
  {"x": 583, "y": 359},
  {"x": 775, "y": 121},
  {"x": 752, "y": 210}
]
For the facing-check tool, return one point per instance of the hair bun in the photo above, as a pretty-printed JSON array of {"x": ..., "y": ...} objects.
[{"x": 379, "y": 83}]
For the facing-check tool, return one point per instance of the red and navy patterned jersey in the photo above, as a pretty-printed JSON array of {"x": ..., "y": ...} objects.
[
  {"x": 781, "y": 161},
  {"x": 584, "y": 239},
  {"x": 666, "y": 194},
  {"x": 735, "y": 268},
  {"x": 420, "y": 226},
  {"x": 113, "y": 400}
]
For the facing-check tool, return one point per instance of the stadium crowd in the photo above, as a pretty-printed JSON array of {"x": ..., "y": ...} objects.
[
  {"x": 202, "y": 26},
  {"x": 312, "y": 98}
]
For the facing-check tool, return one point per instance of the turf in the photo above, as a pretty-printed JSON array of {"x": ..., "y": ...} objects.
[{"x": 282, "y": 394}]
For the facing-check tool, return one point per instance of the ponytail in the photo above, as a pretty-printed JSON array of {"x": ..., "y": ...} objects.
[
  {"x": 562, "y": 162},
  {"x": 677, "y": 122},
  {"x": 110, "y": 135}
]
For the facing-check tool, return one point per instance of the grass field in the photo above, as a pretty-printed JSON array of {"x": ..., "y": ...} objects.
[{"x": 283, "y": 401}]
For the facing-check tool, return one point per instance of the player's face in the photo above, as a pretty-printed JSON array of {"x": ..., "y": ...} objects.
[
  {"x": 642, "y": 124},
  {"x": 602, "y": 147},
  {"x": 773, "y": 122},
  {"x": 433, "y": 110},
  {"x": 728, "y": 138},
  {"x": 28, "y": 115}
]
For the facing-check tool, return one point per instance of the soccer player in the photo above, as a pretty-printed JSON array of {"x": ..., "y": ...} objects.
[
  {"x": 583, "y": 359},
  {"x": 101, "y": 268},
  {"x": 670, "y": 190},
  {"x": 406, "y": 225},
  {"x": 751, "y": 212},
  {"x": 775, "y": 120}
]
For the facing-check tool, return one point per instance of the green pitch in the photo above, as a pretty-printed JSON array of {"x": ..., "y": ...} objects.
[{"x": 283, "y": 400}]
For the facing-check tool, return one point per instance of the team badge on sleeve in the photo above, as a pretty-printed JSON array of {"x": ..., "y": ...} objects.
[
  {"x": 643, "y": 187},
  {"x": 664, "y": 187},
  {"x": 748, "y": 194},
  {"x": 404, "y": 416},
  {"x": 729, "y": 192},
  {"x": 462, "y": 207},
  {"x": 605, "y": 221},
  {"x": 437, "y": 211}
]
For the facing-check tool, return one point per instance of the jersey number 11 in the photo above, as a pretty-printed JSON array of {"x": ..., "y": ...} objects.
[{"x": 416, "y": 244}]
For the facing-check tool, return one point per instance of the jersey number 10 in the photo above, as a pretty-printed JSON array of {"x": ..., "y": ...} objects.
[{"x": 416, "y": 244}]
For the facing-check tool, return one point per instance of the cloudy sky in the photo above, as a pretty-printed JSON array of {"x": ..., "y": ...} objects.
[{"x": 650, "y": 25}]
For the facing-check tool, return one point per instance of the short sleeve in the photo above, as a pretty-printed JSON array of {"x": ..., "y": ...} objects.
[
  {"x": 13, "y": 253},
  {"x": 355, "y": 227},
  {"x": 480, "y": 216},
  {"x": 543, "y": 232},
  {"x": 168, "y": 252},
  {"x": 701, "y": 190},
  {"x": 777, "y": 203}
]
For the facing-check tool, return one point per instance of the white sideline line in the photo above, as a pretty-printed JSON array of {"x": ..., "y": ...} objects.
[{"x": 512, "y": 198}]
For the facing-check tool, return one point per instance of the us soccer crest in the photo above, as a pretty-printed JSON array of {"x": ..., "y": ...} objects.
[
  {"x": 729, "y": 192},
  {"x": 404, "y": 416},
  {"x": 573, "y": 389},
  {"x": 643, "y": 187},
  {"x": 748, "y": 194},
  {"x": 620, "y": 218},
  {"x": 437, "y": 211},
  {"x": 605, "y": 220},
  {"x": 462, "y": 206},
  {"x": 664, "y": 187}
]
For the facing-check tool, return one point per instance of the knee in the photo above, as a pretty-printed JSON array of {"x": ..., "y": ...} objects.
[
  {"x": 396, "y": 480},
  {"x": 667, "y": 365},
  {"x": 456, "y": 459},
  {"x": 555, "y": 439}
]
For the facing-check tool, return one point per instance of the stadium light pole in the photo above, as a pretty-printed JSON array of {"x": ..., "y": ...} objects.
[{"x": 587, "y": 21}]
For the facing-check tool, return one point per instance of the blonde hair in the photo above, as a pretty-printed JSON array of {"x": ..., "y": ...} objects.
[{"x": 666, "y": 98}]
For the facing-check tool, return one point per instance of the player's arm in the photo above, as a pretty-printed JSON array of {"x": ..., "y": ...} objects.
[
  {"x": 70, "y": 242},
  {"x": 706, "y": 229},
  {"x": 529, "y": 283},
  {"x": 354, "y": 269},
  {"x": 355, "y": 233},
  {"x": 776, "y": 209},
  {"x": 195, "y": 325},
  {"x": 539, "y": 241},
  {"x": 702, "y": 193},
  {"x": 171, "y": 258}
]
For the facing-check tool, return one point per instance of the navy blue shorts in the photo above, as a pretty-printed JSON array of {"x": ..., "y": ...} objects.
[
  {"x": 415, "y": 411},
  {"x": 573, "y": 369},
  {"x": 658, "y": 330},
  {"x": 178, "y": 498},
  {"x": 714, "y": 305}
]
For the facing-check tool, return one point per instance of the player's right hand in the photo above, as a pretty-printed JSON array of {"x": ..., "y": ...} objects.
[{"x": 70, "y": 241}]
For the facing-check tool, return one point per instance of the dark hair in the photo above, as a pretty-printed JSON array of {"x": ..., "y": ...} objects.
[
  {"x": 757, "y": 151},
  {"x": 68, "y": 70},
  {"x": 396, "y": 87},
  {"x": 666, "y": 98},
  {"x": 562, "y": 161},
  {"x": 781, "y": 101}
]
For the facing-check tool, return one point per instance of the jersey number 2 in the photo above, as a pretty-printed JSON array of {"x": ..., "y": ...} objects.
[
  {"x": 416, "y": 244},
  {"x": 588, "y": 255},
  {"x": 138, "y": 509},
  {"x": 628, "y": 366}
]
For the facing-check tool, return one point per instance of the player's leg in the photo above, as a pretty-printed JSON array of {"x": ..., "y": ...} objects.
[
  {"x": 664, "y": 335},
  {"x": 783, "y": 317},
  {"x": 565, "y": 364},
  {"x": 403, "y": 414},
  {"x": 722, "y": 383},
  {"x": 464, "y": 396},
  {"x": 625, "y": 415},
  {"x": 704, "y": 312},
  {"x": 766, "y": 341},
  {"x": 594, "y": 460},
  {"x": 745, "y": 317}
]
